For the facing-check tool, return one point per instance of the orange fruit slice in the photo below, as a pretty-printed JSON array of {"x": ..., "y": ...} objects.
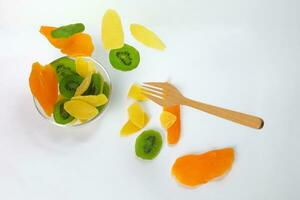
[
  {"x": 174, "y": 130},
  {"x": 80, "y": 44},
  {"x": 44, "y": 86},
  {"x": 196, "y": 169}
]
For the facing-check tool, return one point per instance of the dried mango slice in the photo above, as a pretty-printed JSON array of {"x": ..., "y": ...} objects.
[
  {"x": 167, "y": 119},
  {"x": 83, "y": 86},
  {"x": 112, "y": 31},
  {"x": 58, "y": 43},
  {"x": 196, "y": 169},
  {"x": 80, "y": 44},
  {"x": 94, "y": 100},
  {"x": 135, "y": 92},
  {"x": 174, "y": 130},
  {"x": 146, "y": 36},
  {"x": 80, "y": 110},
  {"x": 84, "y": 67},
  {"x": 44, "y": 86},
  {"x": 68, "y": 30},
  {"x": 129, "y": 128},
  {"x": 136, "y": 115}
]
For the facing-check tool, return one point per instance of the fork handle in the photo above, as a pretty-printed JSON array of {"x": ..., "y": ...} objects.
[{"x": 237, "y": 117}]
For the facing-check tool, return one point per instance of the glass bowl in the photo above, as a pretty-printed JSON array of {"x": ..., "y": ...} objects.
[{"x": 106, "y": 77}]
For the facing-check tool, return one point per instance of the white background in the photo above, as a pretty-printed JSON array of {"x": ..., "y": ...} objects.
[{"x": 242, "y": 55}]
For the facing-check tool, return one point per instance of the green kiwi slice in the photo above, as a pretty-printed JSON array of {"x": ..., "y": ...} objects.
[
  {"x": 60, "y": 114},
  {"x": 126, "y": 58},
  {"x": 63, "y": 66},
  {"x": 106, "y": 92},
  {"x": 69, "y": 84},
  {"x": 96, "y": 85},
  {"x": 68, "y": 30},
  {"x": 148, "y": 144}
]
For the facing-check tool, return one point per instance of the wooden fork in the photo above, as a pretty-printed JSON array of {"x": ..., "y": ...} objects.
[{"x": 165, "y": 94}]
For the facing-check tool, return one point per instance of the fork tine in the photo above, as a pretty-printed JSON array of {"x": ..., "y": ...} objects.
[
  {"x": 154, "y": 99},
  {"x": 147, "y": 91},
  {"x": 155, "y": 84},
  {"x": 152, "y": 88}
]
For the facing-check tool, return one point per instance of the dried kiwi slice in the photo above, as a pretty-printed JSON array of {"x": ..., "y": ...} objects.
[
  {"x": 68, "y": 30},
  {"x": 63, "y": 66},
  {"x": 69, "y": 84},
  {"x": 60, "y": 114},
  {"x": 106, "y": 92},
  {"x": 148, "y": 144},
  {"x": 96, "y": 85},
  {"x": 124, "y": 59}
]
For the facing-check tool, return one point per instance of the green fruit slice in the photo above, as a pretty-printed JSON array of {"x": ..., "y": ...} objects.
[
  {"x": 124, "y": 59},
  {"x": 60, "y": 114},
  {"x": 68, "y": 30},
  {"x": 106, "y": 92},
  {"x": 148, "y": 144},
  {"x": 63, "y": 66},
  {"x": 69, "y": 84},
  {"x": 96, "y": 85}
]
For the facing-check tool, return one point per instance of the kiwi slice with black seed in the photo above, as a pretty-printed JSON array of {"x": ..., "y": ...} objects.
[
  {"x": 148, "y": 144},
  {"x": 124, "y": 59},
  {"x": 60, "y": 115},
  {"x": 63, "y": 66},
  {"x": 106, "y": 92},
  {"x": 96, "y": 85},
  {"x": 69, "y": 84}
]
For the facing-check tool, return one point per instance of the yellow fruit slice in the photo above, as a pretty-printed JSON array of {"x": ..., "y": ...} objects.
[
  {"x": 84, "y": 67},
  {"x": 167, "y": 119},
  {"x": 112, "y": 31},
  {"x": 129, "y": 128},
  {"x": 136, "y": 115},
  {"x": 146, "y": 36},
  {"x": 135, "y": 92},
  {"x": 94, "y": 100},
  {"x": 83, "y": 86},
  {"x": 80, "y": 110}
]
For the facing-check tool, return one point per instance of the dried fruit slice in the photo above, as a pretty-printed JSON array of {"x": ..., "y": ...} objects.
[
  {"x": 129, "y": 128},
  {"x": 174, "y": 130},
  {"x": 83, "y": 86},
  {"x": 84, "y": 67},
  {"x": 167, "y": 119},
  {"x": 112, "y": 31},
  {"x": 96, "y": 85},
  {"x": 148, "y": 144},
  {"x": 136, "y": 115},
  {"x": 135, "y": 92},
  {"x": 63, "y": 66},
  {"x": 60, "y": 115},
  {"x": 80, "y": 44},
  {"x": 69, "y": 84},
  {"x": 106, "y": 92},
  {"x": 146, "y": 36},
  {"x": 68, "y": 30},
  {"x": 44, "y": 86},
  {"x": 94, "y": 100},
  {"x": 126, "y": 58},
  {"x": 196, "y": 169},
  {"x": 80, "y": 110}
]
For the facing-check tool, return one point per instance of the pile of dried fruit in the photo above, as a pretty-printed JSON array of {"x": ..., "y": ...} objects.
[{"x": 70, "y": 89}]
